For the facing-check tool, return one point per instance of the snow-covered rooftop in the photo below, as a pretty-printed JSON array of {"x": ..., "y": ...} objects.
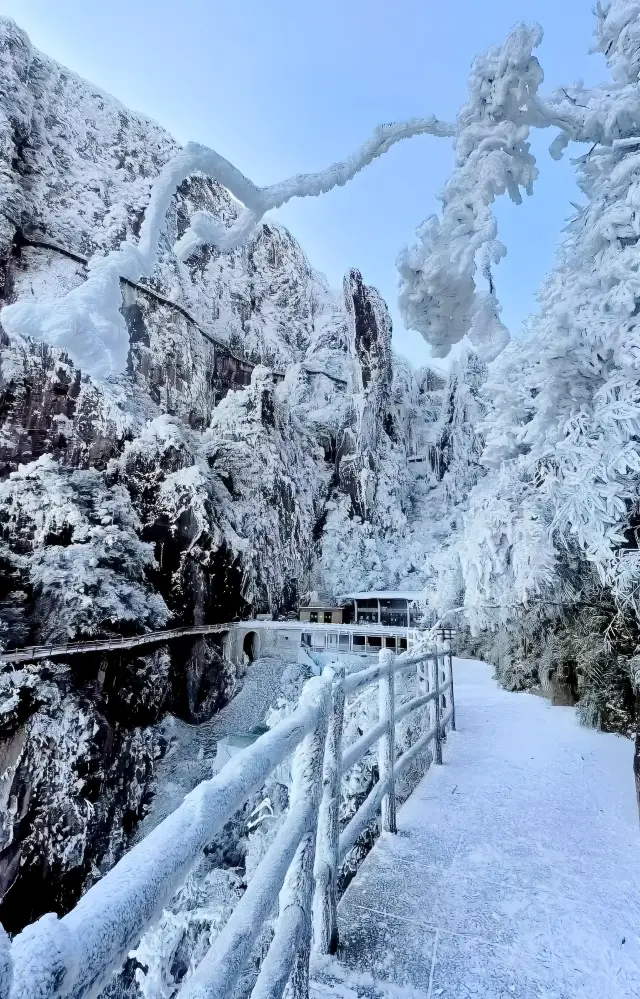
[{"x": 384, "y": 595}]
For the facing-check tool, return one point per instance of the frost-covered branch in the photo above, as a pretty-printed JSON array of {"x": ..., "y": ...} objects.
[
  {"x": 259, "y": 200},
  {"x": 87, "y": 321},
  {"x": 438, "y": 295}
]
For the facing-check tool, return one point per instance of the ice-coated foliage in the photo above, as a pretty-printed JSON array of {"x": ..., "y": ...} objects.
[
  {"x": 180, "y": 938},
  {"x": 618, "y": 37},
  {"x": 551, "y": 527},
  {"x": 563, "y": 426},
  {"x": 438, "y": 275},
  {"x": 76, "y": 538}
]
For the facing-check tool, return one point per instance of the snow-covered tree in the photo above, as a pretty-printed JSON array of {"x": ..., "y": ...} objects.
[
  {"x": 75, "y": 538},
  {"x": 549, "y": 548},
  {"x": 565, "y": 400}
]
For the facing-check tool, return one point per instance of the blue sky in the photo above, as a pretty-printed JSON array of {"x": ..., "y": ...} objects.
[{"x": 291, "y": 85}]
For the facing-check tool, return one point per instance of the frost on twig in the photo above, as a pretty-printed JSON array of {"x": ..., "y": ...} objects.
[{"x": 259, "y": 200}]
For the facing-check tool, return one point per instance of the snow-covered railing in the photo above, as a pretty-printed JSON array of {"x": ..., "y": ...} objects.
[
  {"x": 31, "y": 653},
  {"x": 333, "y": 845},
  {"x": 75, "y": 956}
]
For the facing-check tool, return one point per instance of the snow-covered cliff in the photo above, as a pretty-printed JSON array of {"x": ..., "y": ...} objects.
[{"x": 256, "y": 448}]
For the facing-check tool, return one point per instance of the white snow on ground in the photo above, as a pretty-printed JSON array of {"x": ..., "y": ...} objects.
[{"x": 516, "y": 870}]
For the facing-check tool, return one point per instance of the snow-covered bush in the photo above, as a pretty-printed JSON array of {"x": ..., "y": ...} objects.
[
  {"x": 174, "y": 946},
  {"x": 76, "y": 536},
  {"x": 87, "y": 588}
]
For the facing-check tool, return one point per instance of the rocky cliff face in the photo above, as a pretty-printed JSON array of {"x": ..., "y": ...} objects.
[{"x": 261, "y": 428}]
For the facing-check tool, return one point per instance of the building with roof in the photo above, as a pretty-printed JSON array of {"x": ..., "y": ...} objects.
[
  {"x": 322, "y": 610},
  {"x": 389, "y": 608},
  {"x": 323, "y": 614}
]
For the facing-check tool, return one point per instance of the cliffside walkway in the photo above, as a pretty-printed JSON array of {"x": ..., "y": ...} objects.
[
  {"x": 516, "y": 868},
  {"x": 514, "y": 871},
  {"x": 33, "y": 653}
]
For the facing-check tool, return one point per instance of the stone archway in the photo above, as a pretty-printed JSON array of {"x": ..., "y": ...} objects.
[{"x": 251, "y": 645}]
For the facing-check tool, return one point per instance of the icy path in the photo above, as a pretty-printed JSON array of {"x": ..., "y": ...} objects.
[{"x": 516, "y": 871}]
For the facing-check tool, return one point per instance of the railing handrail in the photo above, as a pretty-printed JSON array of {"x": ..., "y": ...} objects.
[
  {"x": 28, "y": 653},
  {"x": 74, "y": 956}
]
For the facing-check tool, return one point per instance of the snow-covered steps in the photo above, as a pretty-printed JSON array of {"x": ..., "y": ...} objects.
[{"x": 516, "y": 870}]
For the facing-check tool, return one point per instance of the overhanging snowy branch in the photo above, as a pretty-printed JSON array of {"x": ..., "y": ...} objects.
[
  {"x": 87, "y": 323},
  {"x": 439, "y": 294},
  {"x": 259, "y": 200}
]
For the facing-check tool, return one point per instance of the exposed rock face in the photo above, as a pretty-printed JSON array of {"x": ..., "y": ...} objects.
[
  {"x": 371, "y": 335},
  {"x": 78, "y": 749},
  {"x": 76, "y": 174},
  {"x": 370, "y": 349},
  {"x": 73, "y": 787},
  {"x": 261, "y": 425}
]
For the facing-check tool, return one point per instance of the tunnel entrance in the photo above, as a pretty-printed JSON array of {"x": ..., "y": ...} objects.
[{"x": 251, "y": 646}]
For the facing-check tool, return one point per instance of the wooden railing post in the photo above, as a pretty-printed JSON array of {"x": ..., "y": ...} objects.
[
  {"x": 435, "y": 674},
  {"x": 287, "y": 960},
  {"x": 386, "y": 752},
  {"x": 452, "y": 696},
  {"x": 325, "y": 902}
]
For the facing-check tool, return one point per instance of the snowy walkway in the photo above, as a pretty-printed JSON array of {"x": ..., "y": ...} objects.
[{"x": 516, "y": 871}]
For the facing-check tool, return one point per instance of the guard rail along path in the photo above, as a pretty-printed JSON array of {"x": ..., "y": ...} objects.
[
  {"x": 33, "y": 653},
  {"x": 75, "y": 956}
]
